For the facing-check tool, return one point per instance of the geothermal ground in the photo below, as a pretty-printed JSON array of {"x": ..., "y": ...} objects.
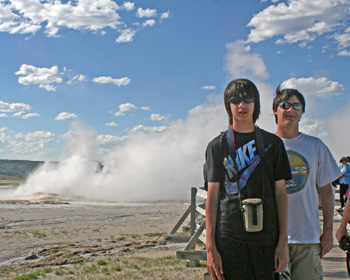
[{"x": 46, "y": 237}]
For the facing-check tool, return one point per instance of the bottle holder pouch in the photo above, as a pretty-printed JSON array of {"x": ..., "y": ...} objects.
[{"x": 252, "y": 210}]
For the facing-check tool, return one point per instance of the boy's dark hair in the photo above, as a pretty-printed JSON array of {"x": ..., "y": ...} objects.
[
  {"x": 285, "y": 94},
  {"x": 242, "y": 87}
]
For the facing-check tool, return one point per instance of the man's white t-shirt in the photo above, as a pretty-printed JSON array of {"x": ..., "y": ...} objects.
[{"x": 313, "y": 166}]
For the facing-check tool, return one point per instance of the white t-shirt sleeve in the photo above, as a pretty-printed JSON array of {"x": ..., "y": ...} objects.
[{"x": 328, "y": 170}]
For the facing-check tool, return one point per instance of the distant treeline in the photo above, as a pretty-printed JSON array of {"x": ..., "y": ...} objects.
[{"x": 18, "y": 168}]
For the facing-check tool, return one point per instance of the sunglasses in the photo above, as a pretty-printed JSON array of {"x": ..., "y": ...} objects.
[
  {"x": 238, "y": 100},
  {"x": 287, "y": 105}
]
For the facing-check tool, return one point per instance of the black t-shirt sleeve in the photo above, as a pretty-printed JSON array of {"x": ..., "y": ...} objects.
[
  {"x": 281, "y": 162},
  {"x": 213, "y": 157}
]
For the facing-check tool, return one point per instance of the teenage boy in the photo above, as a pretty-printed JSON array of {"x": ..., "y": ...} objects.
[
  {"x": 314, "y": 169},
  {"x": 246, "y": 162}
]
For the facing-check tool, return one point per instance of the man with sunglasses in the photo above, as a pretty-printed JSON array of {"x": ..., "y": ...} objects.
[
  {"x": 314, "y": 169},
  {"x": 243, "y": 163}
]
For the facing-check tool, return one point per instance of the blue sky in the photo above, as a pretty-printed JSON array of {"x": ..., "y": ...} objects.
[{"x": 141, "y": 68}]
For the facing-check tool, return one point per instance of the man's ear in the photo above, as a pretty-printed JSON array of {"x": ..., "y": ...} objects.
[{"x": 275, "y": 115}]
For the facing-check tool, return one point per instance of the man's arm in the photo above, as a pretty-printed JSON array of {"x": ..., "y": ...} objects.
[
  {"x": 344, "y": 221},
  {"x": 214, "y": 263},
  {"x": 281, "y": 253},
  {"x": 327, "y": 197},
  {"x": 347, "y": 170}
]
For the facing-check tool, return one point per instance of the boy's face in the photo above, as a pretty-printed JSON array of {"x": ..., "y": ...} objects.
[
  {"x": 243, "y": 111},
  {"x": 289, "y": 117}
]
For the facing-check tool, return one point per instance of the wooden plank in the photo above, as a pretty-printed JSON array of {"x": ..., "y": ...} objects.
[
  {"x": 194, "y": 255},
  {"x": 200, "y": 210},
  {"x": 202, "y": 193},
  {"x": 177, "y": 238},
  {"x": 203, "y": 238},
  {"x": 194, "y": 237},
  {"x": 182, "y": 219}
]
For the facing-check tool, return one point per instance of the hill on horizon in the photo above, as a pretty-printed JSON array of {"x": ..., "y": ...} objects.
[{"x": 18, "y": 168}]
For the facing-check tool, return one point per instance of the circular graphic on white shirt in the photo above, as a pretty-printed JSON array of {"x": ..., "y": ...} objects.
[{"x": 300, "y": 170}]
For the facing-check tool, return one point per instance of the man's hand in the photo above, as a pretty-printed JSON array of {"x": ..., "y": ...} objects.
[
  {"x": 327, "y": 197},
  {"x": 214, "y": 264},
  {"x": 326, "y": 243},
  {"x": 281, "y": 257},
  {"x": 340, "y": 233},
  {"x": 344, "y": 222},
  {"x": 281, "y": 251}
]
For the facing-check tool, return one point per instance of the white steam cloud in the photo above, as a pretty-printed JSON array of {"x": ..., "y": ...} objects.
[
  {"x": 149, "y": 165},
  {"x": 146, "y": 167}
]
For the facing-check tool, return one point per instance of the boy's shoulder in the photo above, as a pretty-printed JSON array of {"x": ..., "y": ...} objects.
[
  {"x": 307, "y": 140},
  {"x": 218, "y": 139},
  {"x": 270, "y": 137},
  {"x": 312, "y": 138}
]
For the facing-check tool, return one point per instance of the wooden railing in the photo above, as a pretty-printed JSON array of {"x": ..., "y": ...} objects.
[{"x": 196, "y": 211}]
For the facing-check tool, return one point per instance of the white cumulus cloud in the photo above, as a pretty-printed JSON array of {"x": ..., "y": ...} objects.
[
  {"x": 65, "y": 116},
  {"x": 343, "y": 40},
  {"x": 125, "y": 108},
  {"x": 209, "y": 87},
  {"x": 321, "y": 87},
  {"x": 126, "y": 35},
  {"x": 158, "y": 117},
  {"x": 111, "y": 124},
  {"x": 165, "y": 15},
  {"x": 299, "y": 20},
  {"x": 44, "y": 77},
  {"x": 239, "y": 62},
  {"x": 129, "y": 6},
  {"x": 146, "y": 12},
  {"x": 13, "y": 107},
  {"x": 19, "y": 110},
  {"x": 109, "y": 80},
  {"x": 25, "y": 116},
  {"x": 35, "y": 135},
  {"x": 149, "y": 22},
  {"x": 79, "y": 78},
  {"x": 29, "y": 16},
  {"x": 25, "y": 144},
  {"x": 102, "y": 16},
  {"x": 149, "y": 128}
]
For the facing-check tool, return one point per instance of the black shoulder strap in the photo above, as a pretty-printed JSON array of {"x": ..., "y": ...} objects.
[
  {"x": 231, "y": 143},
  {"x": 261, "y": 146}
]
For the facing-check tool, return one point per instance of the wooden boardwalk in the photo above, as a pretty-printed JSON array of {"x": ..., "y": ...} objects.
[{"x": 334, "y": 263}]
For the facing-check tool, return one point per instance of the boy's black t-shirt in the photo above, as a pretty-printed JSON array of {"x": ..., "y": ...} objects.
[{"x": 256, "y": 179}]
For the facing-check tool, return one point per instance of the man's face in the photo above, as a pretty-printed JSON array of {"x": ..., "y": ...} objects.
[
  {"x": 289, "y": 117},
  {"x": 243, "y": 111}
]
